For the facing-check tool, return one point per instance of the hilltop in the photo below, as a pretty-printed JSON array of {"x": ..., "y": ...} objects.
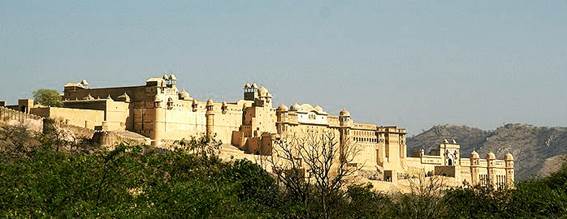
[{"x": 537, "y": 150}]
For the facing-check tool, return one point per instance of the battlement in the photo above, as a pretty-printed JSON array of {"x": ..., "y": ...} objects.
[{"x": 13, "y": 117}]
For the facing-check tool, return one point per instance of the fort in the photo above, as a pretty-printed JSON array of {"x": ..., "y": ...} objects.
[{"x": 162, "y": 113}]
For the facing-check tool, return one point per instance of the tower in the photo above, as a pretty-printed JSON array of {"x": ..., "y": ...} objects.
[
  {"x": 250, "y": 91},
  {"x": 280, "y": 111},
  {"x": 490, "y": 157},
  {"x": 449, "y": 150},
  {"x": 474, "y": 168},
  {"x": 509, "y": 159},
  {"x": 210, "y": 117},
  {"x": 159, "y": 125},
  {"x": 344, "y": 130}
]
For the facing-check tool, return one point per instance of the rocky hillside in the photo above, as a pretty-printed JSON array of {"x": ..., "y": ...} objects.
[{"x": 536, "y": 150}]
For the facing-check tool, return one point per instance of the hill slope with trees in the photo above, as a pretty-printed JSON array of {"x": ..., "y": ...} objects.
[{"x": 41, "y": 176}]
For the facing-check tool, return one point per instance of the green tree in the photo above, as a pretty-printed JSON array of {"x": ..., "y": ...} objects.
[
  {"x": 365, "y": 203},
  {"x": 48, "y": 97}
]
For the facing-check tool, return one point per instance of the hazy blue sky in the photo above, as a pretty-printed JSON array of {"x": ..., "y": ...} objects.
[{"x": 411, "y": 63}]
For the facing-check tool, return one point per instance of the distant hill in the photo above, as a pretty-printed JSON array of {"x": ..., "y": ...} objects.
[{"x": 537, "y": 150}]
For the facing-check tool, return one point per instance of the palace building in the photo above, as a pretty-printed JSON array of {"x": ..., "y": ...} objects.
[{"x": 163, "y": 113}]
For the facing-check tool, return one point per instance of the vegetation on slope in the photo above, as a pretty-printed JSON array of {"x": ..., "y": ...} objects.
[{"x": 38, "y": 178}]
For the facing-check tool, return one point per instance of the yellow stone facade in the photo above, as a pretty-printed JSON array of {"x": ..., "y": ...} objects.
[{"x": 163, "y": 113}]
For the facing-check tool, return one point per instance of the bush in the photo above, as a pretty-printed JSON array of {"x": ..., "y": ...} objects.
[{"x": 127, "y": 182}]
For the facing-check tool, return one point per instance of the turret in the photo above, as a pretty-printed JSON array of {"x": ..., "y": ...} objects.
[
  {"x": 280, "y": 111},
  {"x": 159, "y": 121},
  {"x": 475, "y": 158},
  {"x": 344, "y": 118},
  {"x": 509, "y": 160},
  {"x": 345, "y": 123},
  {"x": 210, "y": 117},
  {"x": 490, "y": 158}
]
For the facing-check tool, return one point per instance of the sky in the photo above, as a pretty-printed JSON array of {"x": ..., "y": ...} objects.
[{"x": 414, "y": 64}]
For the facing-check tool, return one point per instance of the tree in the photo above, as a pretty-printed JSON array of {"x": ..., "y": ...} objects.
[
  {"x": 48, "y": 97},
  {"x": 315, "y": 161},
  {"x": 17, "y": 141},
  {"x": 424, "y": 199}
]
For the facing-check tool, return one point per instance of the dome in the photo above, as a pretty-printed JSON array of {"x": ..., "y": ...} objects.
[
  {"x": 254, "y": 85},
  {"x": 165, "y": 77},
  {"x": 305, "y": 108},
  {"x": 184, "y": 95},
  {"x": 173, "y": 77},
  {"x": 247, "y": 86},
  {"x": 263, "y": 92},
  {"x": 491, "y": 156},
  {"x": 509, "y": 156},
  {"x": 475, "y": 155},
  {"x": 294, "y": 107},
  {"x": 344, "y": 112},
  {"x": 282, "y": 108},
  {"x": 209, "y": 102}
]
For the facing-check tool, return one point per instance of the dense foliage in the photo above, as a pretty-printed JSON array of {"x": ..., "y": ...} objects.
[
  {"x": 48, "y": 97},
  {"x": 46, "y": 181}
]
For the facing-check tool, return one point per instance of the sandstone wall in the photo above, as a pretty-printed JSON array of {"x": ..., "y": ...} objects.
[
  {"x": 84, "y": 118},
  {"x": 227, "y": 122},
  {"x": 118, "y": 116}
]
